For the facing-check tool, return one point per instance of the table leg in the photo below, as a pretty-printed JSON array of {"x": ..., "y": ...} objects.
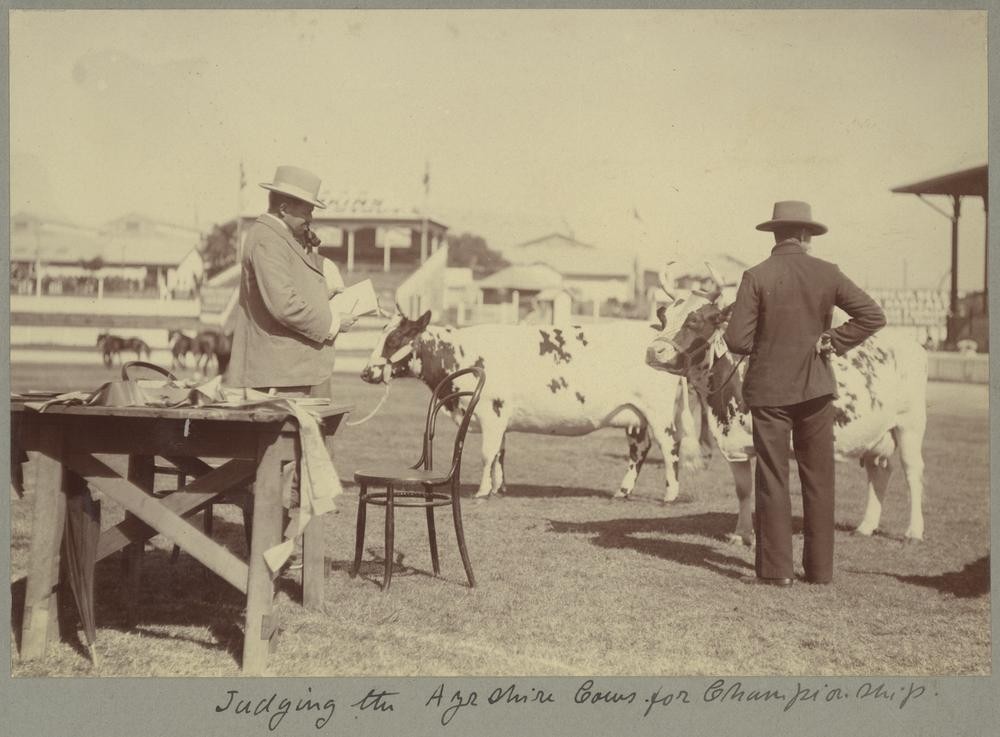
[
  {"x": 48, "y": 518},
  {"x": 313, "y": 563},
  {"x": 313, "y": 555},
  {"x": 141, "y": 473},
  {"x": 261, "y": 627}
]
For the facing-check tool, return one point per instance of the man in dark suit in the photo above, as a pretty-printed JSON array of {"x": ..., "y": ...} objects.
[{"x": 781, "y": 319}]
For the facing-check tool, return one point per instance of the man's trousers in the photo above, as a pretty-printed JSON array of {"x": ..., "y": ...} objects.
[{"x": 809, "y": 426}]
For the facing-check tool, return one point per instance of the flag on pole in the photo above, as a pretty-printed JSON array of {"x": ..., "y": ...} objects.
[
  {"x": 427, "y": 177},
  {"x": 635, "y": 213},
  {"x": 243, "y": 177}
]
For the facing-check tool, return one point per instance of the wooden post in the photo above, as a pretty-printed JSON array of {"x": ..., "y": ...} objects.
[
  {"x": 986, "y": 257},
  {"x": 48, "y": 518},
  {"x": 261, "y": 626},
  {"x": 350, "y": 250},
  {"x": 953, "y": 294}
]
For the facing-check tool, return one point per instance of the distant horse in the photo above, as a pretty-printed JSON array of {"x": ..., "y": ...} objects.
[
  {"x": 181, "y": 346},
  {"x": 110, "y": 347},
  {"x": 209, "y": 344},
  {"x": 138, "y": 345},
  {"x": 223, "y": 352}
]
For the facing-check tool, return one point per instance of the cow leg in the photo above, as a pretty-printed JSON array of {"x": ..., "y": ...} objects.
[
  {"x": 910, "y": 439},
  {"x": 498, "y": 477},
  {"x": 492, "y": 434},
  {"x": 743, "y": 535},
  {"x": 667, "y": 438},
  {"x": 879, "y": 470},
  {"x": 639, "y": 444}
]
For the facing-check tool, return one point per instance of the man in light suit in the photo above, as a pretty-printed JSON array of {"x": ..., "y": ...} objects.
[
  {"x": 284, "y": 333},
  {"x": 781, "y": 319}
]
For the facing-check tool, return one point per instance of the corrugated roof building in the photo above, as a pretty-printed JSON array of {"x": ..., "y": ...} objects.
[
  {"x": 132, "y": 240},
  {"x": 134, "y": 253}
]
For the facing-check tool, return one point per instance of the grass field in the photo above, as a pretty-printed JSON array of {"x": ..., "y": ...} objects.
[{"x": 569, "y": 581}]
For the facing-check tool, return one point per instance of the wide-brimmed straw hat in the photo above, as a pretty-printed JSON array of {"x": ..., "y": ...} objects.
[
  {"x": 295, "y": 182},
  {"x": 792, "y": 212}
]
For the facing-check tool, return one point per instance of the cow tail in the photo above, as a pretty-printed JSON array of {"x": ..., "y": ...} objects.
[{"x": 690, "y": 456}]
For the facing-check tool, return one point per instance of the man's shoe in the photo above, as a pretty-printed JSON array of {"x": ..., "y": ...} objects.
[{"x": 758, "y": 581}]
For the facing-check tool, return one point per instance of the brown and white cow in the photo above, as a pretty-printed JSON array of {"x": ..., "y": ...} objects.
[
  {"x": 568, "y": 380},
  {"x": 882, "y": 404}
]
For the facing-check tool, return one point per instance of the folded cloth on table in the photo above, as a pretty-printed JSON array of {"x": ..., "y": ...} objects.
[{"x": 319, "y": 483}]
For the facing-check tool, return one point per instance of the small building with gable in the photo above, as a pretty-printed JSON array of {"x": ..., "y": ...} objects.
[{"x": 591, "y": 274}]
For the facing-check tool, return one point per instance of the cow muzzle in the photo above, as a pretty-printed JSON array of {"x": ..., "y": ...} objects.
[
  {"x": 372, "y": 374},
  {"x": 662, "y": 355}
]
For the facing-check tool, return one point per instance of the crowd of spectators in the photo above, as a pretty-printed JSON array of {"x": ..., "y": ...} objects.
[{"x": 23, "y": 282}]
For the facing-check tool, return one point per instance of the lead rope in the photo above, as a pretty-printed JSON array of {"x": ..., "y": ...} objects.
[
  {"x": 378, "y": 406},
  {"x": 717, "y": 350}
]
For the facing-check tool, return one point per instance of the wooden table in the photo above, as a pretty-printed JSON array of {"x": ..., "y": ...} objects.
[{"x": 112, "y": 449}]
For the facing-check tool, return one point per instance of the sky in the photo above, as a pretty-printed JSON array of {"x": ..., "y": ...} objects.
[{"x": 669, "y": 133}]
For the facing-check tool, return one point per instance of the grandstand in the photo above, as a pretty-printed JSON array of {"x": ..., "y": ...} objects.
[{"x": 913, "y": 307}]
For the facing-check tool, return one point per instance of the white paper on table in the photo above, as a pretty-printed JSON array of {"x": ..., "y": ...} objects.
[{"x": 357, "y": 299}]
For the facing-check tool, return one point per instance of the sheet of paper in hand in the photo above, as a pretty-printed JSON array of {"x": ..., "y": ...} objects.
[{"x": 358, "y": 299}]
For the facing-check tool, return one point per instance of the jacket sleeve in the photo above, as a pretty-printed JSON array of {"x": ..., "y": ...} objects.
[
  {"x": 866, "y": 316},
  {"x": 739, "y": 335},
  {"x": 270, "y": 258}
]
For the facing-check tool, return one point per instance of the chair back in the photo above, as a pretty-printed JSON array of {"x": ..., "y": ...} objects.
[{"x": 444, "y": 393}]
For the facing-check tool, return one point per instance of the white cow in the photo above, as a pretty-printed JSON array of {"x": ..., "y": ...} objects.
[
  {"x": 568, "y": 380},
  {"x": 882, "y": 405}
]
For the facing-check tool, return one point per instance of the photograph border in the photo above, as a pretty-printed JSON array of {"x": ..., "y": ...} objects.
[{"x": 964, "y": 705}]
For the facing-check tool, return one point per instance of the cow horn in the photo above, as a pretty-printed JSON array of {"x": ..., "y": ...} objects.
[
  {"x": 664, "y": 277},
  {"x": 717, "y": 292},
  {"x": 661, "y": 315}
]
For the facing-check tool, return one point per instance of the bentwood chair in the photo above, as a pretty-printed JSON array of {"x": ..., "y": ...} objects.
[{"x": 421, "y": 485}]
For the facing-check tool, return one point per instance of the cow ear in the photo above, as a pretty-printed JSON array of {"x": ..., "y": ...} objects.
[{"x": 424, "y": 320}]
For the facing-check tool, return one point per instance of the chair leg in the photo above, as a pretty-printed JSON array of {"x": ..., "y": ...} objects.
[
  {"x": 456, "y": 511},
  {"x": 432, "y": 534},
  {"x": 359, "y": 535},
  {"x": 390, "y": 535}
]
